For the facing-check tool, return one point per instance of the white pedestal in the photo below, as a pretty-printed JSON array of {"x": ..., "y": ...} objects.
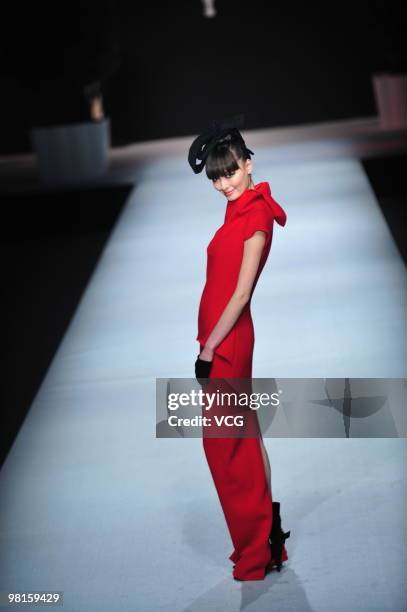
[
  {"x": 73, "y": 153},
  {"x": 390, "y": 91}
]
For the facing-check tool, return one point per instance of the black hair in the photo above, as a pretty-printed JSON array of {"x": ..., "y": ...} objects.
[{"x": 223, "y": 158}]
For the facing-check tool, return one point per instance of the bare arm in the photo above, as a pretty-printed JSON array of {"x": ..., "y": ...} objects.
[{"x": 253, "y": 248}]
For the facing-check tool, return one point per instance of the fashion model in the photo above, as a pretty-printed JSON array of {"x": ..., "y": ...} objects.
[{"x": 236, "y": 255}]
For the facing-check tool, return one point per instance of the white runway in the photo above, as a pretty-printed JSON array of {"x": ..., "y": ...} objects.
[{"x": 95, "y": 506}]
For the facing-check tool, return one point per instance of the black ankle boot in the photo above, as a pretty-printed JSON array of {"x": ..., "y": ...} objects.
[{"x": 277, "y": 536}]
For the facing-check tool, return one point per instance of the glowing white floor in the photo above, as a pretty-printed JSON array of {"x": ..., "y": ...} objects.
[{"x": 94, "y": 505}]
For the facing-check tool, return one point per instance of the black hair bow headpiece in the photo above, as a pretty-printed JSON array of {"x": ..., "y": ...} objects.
[{"x": 203, "y": 144}]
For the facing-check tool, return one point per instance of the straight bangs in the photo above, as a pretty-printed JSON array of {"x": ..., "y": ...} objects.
[{"x": 220, "y": 162}]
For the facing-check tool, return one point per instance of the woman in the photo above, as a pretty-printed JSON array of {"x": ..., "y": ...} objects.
[{"x": 236, "y": 256}]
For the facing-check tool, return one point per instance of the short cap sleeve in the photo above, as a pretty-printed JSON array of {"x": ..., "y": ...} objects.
[{"x": 259, "y": 219}]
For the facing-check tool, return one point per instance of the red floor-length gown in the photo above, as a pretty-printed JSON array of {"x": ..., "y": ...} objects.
[{"x": 236, "y": 464}]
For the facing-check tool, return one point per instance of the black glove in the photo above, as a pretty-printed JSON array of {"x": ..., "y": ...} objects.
[{"x": 202, "y": 370}]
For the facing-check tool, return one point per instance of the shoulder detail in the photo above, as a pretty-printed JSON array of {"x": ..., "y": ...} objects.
[
  {"x": 258, "y": 218},
  {"x": 277, "y": 211}
]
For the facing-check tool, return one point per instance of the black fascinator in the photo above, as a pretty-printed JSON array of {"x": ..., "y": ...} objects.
[{"x": 202, "y": 145}]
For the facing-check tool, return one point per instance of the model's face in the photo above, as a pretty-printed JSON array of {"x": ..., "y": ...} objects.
[{"x": 233, "y": 185}]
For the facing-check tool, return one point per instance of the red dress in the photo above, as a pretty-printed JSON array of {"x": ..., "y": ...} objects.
[{"x": 236, "y": 464}]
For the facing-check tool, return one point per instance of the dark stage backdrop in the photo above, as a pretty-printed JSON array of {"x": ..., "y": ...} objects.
[{"x": 166, "y": 70}]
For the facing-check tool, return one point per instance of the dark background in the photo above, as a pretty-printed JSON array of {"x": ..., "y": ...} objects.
[{"x": 166, "y": 70}]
